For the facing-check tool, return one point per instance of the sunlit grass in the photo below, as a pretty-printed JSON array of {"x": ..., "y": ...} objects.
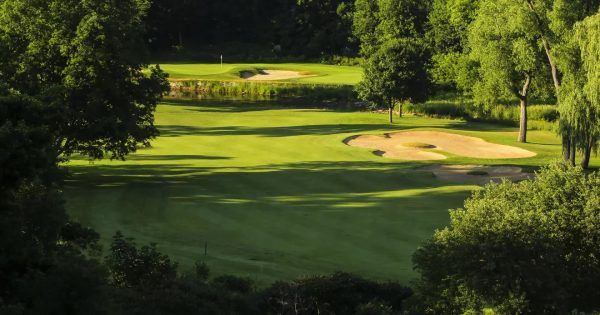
[{"x": 319, "y": 73}]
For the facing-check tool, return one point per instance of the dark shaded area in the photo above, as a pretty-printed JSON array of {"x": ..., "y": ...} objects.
[
  {"x": 324, "y": 184},
  {"x": 250, "y": 30},
  {"x": 286, "y": 131}
]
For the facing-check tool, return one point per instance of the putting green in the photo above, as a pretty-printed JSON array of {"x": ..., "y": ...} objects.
[
  {"x": 274, "y": 191},
  {"x": 315, "y": 73}
]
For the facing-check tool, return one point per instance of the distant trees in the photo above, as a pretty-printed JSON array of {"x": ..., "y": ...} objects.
[
  {"x": 518, "y": 248},
  {"x": 396, "y": 57},
  {"x": 297, "y": 28}
]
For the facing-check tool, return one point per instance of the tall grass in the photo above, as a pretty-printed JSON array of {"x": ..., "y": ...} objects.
[
  {"x": 237, "y": 88},
  {"x": 540, "y": 117}
]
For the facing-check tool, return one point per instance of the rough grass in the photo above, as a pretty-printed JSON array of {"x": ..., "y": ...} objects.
[
  {"x": 275, "y": 192},
  {"x": 323, "y": 74},
  {"x": 540, "y": 117}
]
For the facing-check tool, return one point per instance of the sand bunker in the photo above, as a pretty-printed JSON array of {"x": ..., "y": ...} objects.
[
  {"x": 477, "y": 174},
  {"x": 273, "y": 75},
  {"x": 401, "y": 145}
]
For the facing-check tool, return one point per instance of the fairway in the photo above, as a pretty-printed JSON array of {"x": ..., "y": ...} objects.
[
  {"x": 316, "y": 73},
  {"x": 276, "y": 193}
]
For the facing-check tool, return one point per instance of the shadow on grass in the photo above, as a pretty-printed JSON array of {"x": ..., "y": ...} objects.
[
  {"x": 315, "y": 186},
  {"x": 284, "y": 131},
  {"x": 152, "y": 157}
]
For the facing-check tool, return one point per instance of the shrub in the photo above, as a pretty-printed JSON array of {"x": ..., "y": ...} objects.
[{"x": 518, "y": 248}]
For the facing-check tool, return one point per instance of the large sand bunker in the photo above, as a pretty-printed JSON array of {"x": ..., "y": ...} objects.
[
  {"x": 429, "y": 145},
  {"x": 273, "y": 75},
  {"x": 477, "y": 174}
]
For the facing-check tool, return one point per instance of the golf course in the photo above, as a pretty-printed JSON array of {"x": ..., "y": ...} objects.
[
  {"x": 307, "y": 73},
  {"x": 272, "y": 191},
  {"x": 292, "y": 157}
]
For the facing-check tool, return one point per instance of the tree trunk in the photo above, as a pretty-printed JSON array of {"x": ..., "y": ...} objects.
[
  {"x": 400, "y": 109},
  {"x": 523, "y": 121},
  {"x": 566, "y": 143},
  {"x": 523, "y": 100},
  {"x": 391, "y": 110},
  {"x": 573, "y": 154},
  {"x": 587, "y": 154}
]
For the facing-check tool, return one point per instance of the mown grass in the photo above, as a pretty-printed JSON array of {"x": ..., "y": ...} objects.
[
  {"x": 274, "y": 191},
  {"x": 319, "y": 73}
]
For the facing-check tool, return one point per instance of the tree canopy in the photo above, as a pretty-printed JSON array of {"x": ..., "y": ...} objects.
[
  {"x": 87, "y": 60},
  {"x": 396, "y": 57},
  {"x": 528, "y": 248},
  {"x": 395, "y": 73}
]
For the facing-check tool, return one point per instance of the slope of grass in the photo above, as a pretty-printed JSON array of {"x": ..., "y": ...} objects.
[
  {"x": 320, "y": 73},
  {"x": 274, "y": 191}
]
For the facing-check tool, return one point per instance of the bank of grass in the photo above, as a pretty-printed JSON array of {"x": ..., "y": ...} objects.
[{"x": 274, "y": 193}]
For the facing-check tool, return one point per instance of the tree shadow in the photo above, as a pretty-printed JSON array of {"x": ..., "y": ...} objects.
[{"x": 152, "y": 157}]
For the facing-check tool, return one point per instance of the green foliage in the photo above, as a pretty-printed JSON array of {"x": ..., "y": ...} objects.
[
  {"x": 145, "y": 281},
  {"x": 506, "y": 50},
  {"x": 395, "y": 72},
  {"x": 447, "y": 34},
  {"x": 26, "y": 149},
  {"x": 132, "y": 268},
  {"x": 378, "y": 21},
  {"x": 527, "y": 247},
  {"x": 579, "y": 93},
  {"x": 340, "y": 293},
  {"x": 84, "y": 58}
]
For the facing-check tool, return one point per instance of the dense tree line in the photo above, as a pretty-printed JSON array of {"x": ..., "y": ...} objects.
[{"x": 275, "y": 28}]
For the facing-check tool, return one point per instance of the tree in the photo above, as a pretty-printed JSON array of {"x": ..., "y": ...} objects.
[
  {"x": 447, "y": 34},
  {"x": 378, "y": 21},
  {"x": 507, "y": 53},
  {"x": 87, "y": 59},
  {"x": 519, "y": 248},
  {"x": 395, "y": 73},
  {"x": 389, "y": 32},
  {"x": 579, "y": 92},
  {"x": 553, "y": 25},
  {"x": 46, "y": 261}
]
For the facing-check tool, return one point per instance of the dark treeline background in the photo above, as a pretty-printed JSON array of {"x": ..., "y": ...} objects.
[{"x": 251, "y": 29}]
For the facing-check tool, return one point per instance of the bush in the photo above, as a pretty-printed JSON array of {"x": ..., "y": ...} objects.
[
  {"x": 518, "y": 248},
  {"x": 340, "y": 293}
]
